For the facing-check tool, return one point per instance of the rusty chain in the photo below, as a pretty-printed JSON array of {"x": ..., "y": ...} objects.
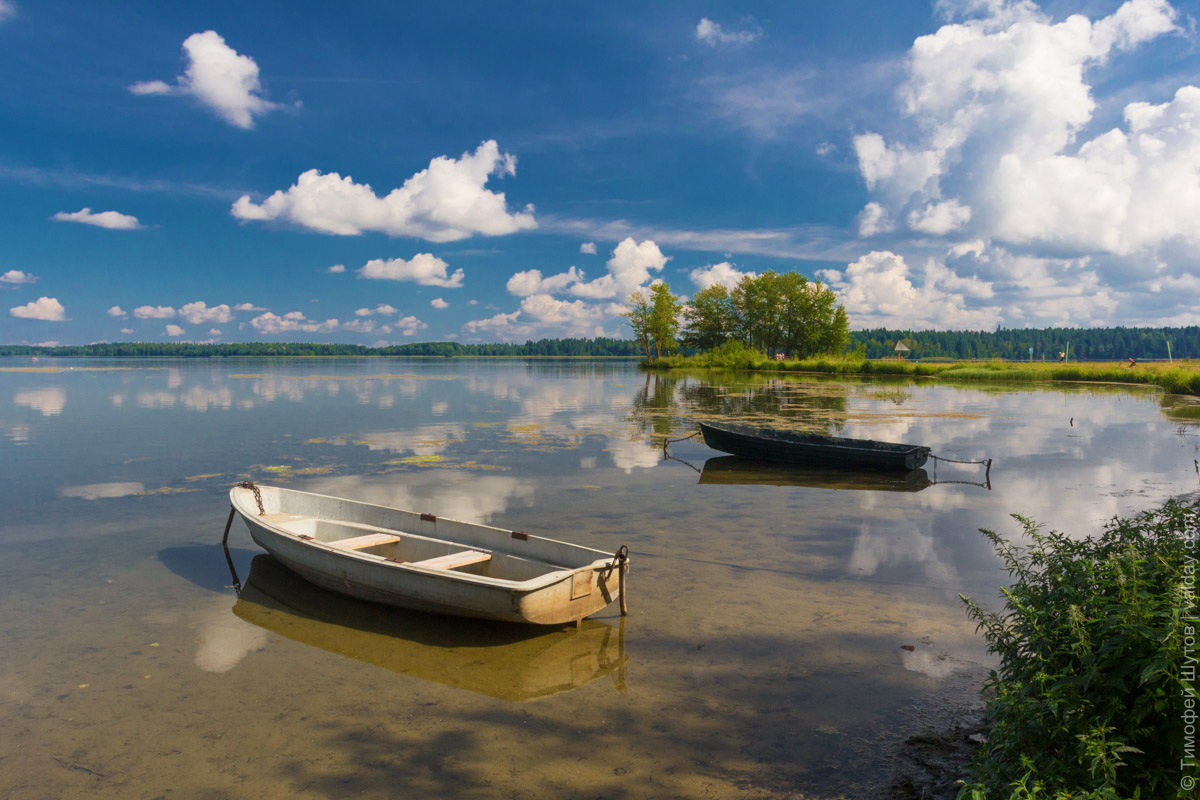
[{"x": 257, "y": 495}]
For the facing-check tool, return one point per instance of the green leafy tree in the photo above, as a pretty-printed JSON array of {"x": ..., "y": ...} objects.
[
  {"x": 664, "y": 318},
  {"x": 640, "y": 315},
  {"x": 787, "y": 312},
  {"x": 758, "y": 304},
  {"x": 835, "y": 336},
  {"x": 710, "y": 318}
]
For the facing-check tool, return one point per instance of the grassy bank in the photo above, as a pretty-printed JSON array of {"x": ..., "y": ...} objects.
[
  {"x": 1178, "y": 378},
  {"x": 1094, "y": 698}
]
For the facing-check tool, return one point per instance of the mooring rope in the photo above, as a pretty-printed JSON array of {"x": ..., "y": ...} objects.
[
  {"x": 987, "y": 472},
  {"x": 620, "y": 562},
  {"x": 987, "y": 461},
  {"x": 680, "y": 439}
]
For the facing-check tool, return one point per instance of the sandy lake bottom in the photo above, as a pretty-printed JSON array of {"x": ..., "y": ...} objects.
[{"x": 767, "y": 652}]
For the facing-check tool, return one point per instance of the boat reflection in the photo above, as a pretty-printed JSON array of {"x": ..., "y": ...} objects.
[
  {"x": 739, "y": 470},
  {"x": 508, "y": 662}
]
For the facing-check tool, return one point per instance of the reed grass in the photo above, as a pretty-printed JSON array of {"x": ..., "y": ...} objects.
[{"x": 1177, "y": 378}]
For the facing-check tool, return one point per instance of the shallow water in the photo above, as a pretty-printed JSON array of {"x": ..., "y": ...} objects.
[{"x": 769, "y": 609}]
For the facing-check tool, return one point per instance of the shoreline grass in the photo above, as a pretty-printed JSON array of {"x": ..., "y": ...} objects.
[{"x": 1180, "y": 377}]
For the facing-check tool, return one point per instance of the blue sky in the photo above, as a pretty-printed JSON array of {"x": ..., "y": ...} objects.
[{"x": 382, "y": 173}]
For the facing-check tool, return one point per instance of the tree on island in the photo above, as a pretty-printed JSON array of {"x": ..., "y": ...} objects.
[
  {"x": 664, "y": 319},
  {"x": 639, "y": 315},
  {"x": 771, "y": 312},
  {"x": 654, "y": 320}
]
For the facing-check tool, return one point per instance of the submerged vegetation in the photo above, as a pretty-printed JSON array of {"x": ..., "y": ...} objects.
[{"x": 1092, "y": 697}]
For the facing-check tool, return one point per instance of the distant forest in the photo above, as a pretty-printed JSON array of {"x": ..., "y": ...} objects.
[
  {"x": 1090, "y": 344},
  {"x": 542, "y": 347},
  {"x": 1087, "y": 344}
]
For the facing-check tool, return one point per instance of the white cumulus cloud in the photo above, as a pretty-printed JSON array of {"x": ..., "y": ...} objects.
[
  {"x": 360, "y": 325},
  {"x": 173, "y": 330},
  {"x": 117, "y": 311},
  {"x": 199, "y": 313},
  {"x": 219, "y": 77},
  {"x": 530, "y": 281},
  {"x": 628, "y": 269},
  {"x": 154, "y": 312},
  {"x": 337, "y": 268},
  {"x": 724, "y": 273},
  {"x": 878, "y": 290},
  {"x": 44, "y": 308},
  {"x": 445, "y": 202},
  {"x": 292, "y": 321},
  {"x": 113, "y": 220},
  {"x": 438, "y": 302},
  {"x": 425, "y": 269},
  {"x": 991, "y": 140},
  {"x": 588, "y": 248},
  {"x": 712, "y": 34},
  {"x": 382, "y": 308},
  {"x": 873, "y": 219},
  {"x": 408, "y": 326},
  {"x": 940, "y": 218},
  {"x": 544, "y": 315},
  {"x": 17, "y": 277}
]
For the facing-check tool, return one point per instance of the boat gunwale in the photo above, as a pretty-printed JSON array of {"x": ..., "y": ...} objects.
[{"x": 530, "y": 585}]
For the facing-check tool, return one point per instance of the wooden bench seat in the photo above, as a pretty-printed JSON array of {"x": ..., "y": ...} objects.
[
  {"x": 367, "y": 540},
  {"x": 453, "y": 560}
]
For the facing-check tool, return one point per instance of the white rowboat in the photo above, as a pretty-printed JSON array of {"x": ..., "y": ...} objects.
[{"x": 429, "y": 563}]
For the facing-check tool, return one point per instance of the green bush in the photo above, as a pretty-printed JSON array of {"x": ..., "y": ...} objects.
[{"x": 1088, "y": 701}]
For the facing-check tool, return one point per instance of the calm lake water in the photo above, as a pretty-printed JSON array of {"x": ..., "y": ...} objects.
[{"x": 765, "y": 651}]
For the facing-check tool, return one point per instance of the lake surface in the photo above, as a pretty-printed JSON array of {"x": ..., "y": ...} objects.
[{"x": 764, "y": 654}]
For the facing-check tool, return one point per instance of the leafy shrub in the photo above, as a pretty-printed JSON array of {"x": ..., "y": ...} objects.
[
  {"x": 1088, "y": 701},
  {"x": 733, "y": 355}
]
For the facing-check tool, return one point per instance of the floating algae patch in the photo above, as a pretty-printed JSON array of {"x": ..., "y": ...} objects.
[
  {"x": 420, "y": 461},
  {"x": 437, "y": 444},
  {"x": 204, "y": 477},
  {"x": 314, "y": 471}
]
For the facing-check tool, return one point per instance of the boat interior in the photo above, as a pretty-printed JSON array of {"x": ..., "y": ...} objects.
[{"x": 413, "y": 549}]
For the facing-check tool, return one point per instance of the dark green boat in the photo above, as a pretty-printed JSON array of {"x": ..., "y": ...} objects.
[{"x": 811, "y": 449}]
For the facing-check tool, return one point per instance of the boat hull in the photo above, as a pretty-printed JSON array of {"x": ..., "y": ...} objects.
[
  {"x": 555, "y": 582},
  {"x": 790, "y": 447}
]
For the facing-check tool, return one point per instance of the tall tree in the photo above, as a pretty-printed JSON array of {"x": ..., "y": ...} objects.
[
  {"x": 664, "y": 318},
  {"x": 710, "y": 318},
  {"x": 758, "y": 303},
  {"x": 640, "y": 315}
]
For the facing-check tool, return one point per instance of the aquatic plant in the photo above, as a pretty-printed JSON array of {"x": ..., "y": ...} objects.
[{"x": 1089, "y": 698}]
